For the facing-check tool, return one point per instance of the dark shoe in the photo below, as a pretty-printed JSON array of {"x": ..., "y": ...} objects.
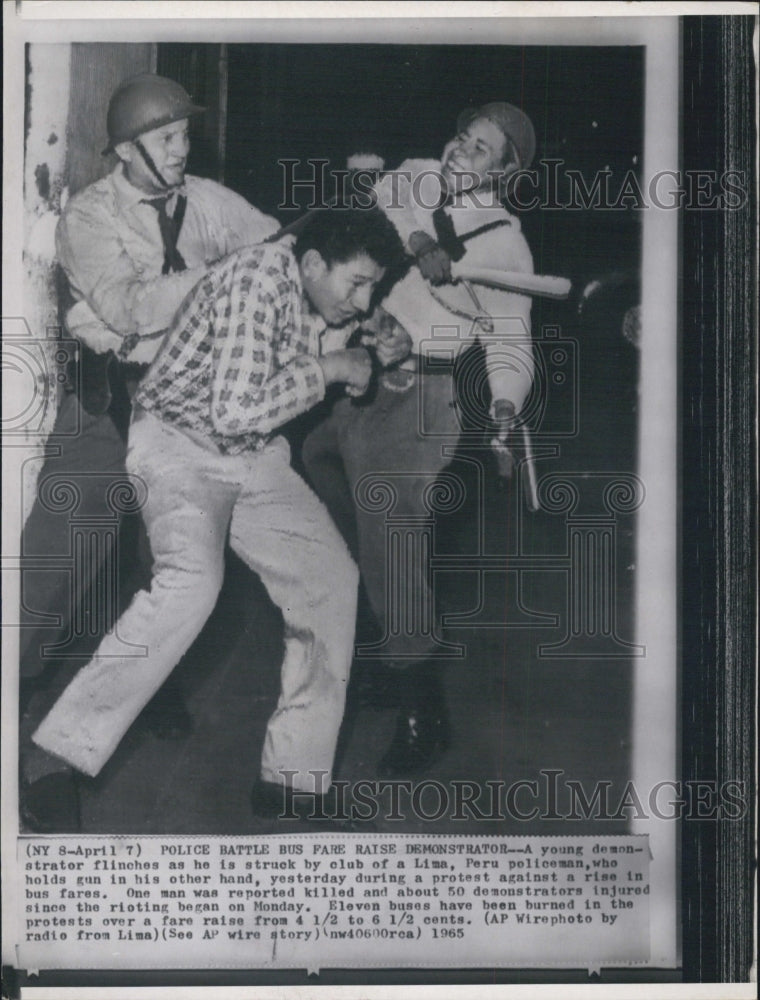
[
  {"x": 166, "y": 715},
  {"x": 51, "y": 804},
  {"x": 272, "y": 801},
  {"x": 374, "y": 685},
  {"x": 421, "y": 738},
  {"x": 423, "y": 730},
  {"x": 322, "y": 812}
]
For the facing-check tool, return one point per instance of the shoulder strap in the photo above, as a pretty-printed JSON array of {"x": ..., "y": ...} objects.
[
  {"x": 484, "y": 229},
  {"x": 453, "y": 243}
]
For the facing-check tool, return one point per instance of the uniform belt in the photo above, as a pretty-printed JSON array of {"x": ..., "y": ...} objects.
[{"x": 130, "y": 371}]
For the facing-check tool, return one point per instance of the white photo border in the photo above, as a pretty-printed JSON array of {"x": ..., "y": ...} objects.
[{"x": 657, "y": 704}]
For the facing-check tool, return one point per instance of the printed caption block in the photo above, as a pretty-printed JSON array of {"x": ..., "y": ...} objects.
[{"x": 324, "y": 901}]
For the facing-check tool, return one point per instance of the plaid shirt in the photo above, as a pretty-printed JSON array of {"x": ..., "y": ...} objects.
[{"x": 240, "y": 358}]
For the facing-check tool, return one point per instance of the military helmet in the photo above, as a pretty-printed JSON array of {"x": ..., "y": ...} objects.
[
  {"x": 514, "y": 123},
  {"x": 143, "y": 103}
]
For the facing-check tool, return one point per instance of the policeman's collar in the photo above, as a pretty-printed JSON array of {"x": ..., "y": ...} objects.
[{"x": 482, "y": 199}]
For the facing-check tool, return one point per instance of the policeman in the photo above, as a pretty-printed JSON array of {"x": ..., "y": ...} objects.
[
  {"x": 444, "y": 210},
  {"x": 132, "y": 245}
]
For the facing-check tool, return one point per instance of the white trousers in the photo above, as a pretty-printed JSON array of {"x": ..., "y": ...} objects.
[{"x": 282, "y": 531}]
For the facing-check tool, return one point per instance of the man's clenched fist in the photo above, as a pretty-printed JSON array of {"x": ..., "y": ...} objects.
[
  {"x": 390, "y": 340},
  {"x": 352, "y": 366}
]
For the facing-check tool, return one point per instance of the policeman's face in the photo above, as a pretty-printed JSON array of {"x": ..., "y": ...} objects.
[
  {"x": 340, "y": 291},
  {"x": 468, "y": 158},
  {"x": 167, "y": 147}
]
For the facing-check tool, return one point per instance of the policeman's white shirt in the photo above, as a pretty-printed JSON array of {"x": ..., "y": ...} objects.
[
  {"x": 443, "y": 320},
  {"x": 109, "y": 245}
]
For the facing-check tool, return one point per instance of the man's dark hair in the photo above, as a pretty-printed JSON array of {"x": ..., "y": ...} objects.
[{"x": 340, "y": 234}]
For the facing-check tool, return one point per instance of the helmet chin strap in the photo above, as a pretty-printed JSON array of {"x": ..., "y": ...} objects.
[{"x": 148, "y": 159}]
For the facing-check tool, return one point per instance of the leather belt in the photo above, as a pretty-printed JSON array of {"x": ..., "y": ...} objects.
[{"x": 130, "y": 371}]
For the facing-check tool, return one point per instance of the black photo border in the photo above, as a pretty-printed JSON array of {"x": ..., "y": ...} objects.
[
  {"x": 718, "y": 555},
  {"x": 719, "y": 322}
]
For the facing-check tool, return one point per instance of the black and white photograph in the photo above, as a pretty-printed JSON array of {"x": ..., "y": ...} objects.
[{"x": 377, "y": 577}]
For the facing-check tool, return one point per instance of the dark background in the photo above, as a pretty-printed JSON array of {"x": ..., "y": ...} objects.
[{"x": 328, "y": 101}]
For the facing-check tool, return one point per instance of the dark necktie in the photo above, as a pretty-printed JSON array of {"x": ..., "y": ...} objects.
[
  {"x": 170, "y": 226},
  {"x": 446, "y": 234},
  {"x": 447, "y": 237}
]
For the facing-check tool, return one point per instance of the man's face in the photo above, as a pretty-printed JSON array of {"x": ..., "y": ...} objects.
[
  {"x": 468, "y": 158},
  {"x": 168, "y": 147},
  {"x": 340, "y": 291}
]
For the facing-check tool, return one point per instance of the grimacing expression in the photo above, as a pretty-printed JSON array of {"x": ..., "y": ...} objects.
[
  {"x": 168, "y": 147},
  {"x": 342, "y": 290},
  {"x": 469, "y": 157}
]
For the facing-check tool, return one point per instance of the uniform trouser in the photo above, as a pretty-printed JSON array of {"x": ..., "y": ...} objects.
[
  {"x": 71, "y": 558},
  {"x": 77, "y": 501},
  {"x": 280, "y": 529},
  {"x": 390, "y": 451}
]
